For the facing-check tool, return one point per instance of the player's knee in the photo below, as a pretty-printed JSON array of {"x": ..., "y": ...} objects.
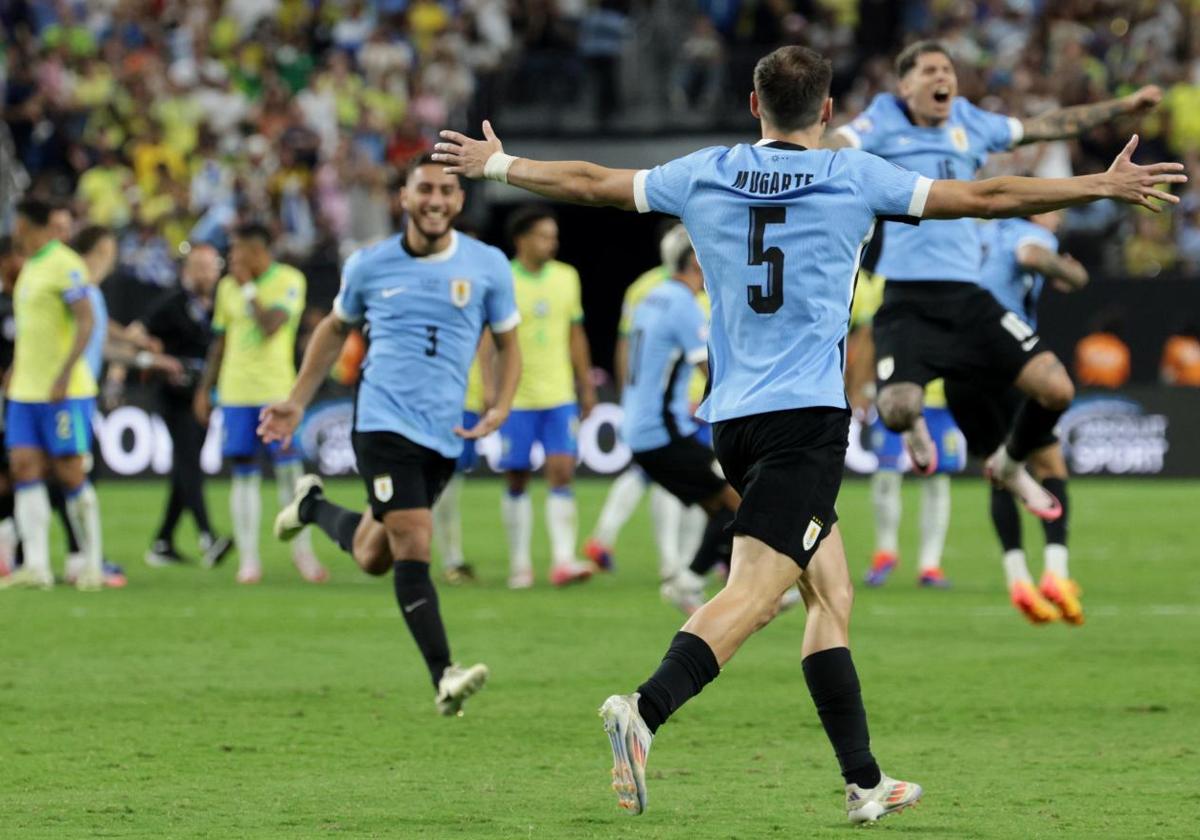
[
  {"x": 1057, "y": 393},
  {"x": 899, "y": 406}
]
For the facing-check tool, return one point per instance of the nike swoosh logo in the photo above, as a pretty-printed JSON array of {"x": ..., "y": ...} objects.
[
  {"x": 395, "y": 290},
  {"x": 408, "y": 608},
  {"x": 1028, "y": 345}
]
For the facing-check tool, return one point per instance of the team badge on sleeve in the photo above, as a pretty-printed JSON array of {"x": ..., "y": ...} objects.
[
  {"x": 382, "y": 485},
  {"x": 811, "y": 533},
  {"x": 460, "y": 292}
]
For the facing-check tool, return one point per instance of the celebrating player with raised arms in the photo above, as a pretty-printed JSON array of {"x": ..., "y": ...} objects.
[
  {"x": 779, "y": 227},
  {"x": 935, "y": 320},
  {"x": 424, "y": 296}
]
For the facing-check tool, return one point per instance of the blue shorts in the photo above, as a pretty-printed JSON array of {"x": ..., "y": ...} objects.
[
  {"x": 951, "y": 445},
  {"x": 470, "y": 455},
  {"x": 556, "y": 428},
  {"x": 59, "y": 429},
  {"x": 239, "y": 436}
]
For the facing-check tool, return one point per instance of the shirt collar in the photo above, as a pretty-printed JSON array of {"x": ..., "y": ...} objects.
[{"x": 781, "y": 144}]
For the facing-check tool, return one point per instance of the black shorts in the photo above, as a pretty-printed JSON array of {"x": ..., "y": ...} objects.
[
  {"x": 685, "y": 467},
  {"x": 928, "y": 329},
  {"x": 399, "y": 474},
  {"x": 787, "y": 466},
  {"x": 985, "y": 414}
]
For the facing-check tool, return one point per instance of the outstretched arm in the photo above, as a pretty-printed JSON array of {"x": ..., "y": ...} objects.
[
  {"x": 1065, "y": 272},
  {"x": 1014, "y": 196},
  {"x": 1072, "y": 122},
  {"x": 572, "y": 181},
  {"x": 279, "y": 420}
]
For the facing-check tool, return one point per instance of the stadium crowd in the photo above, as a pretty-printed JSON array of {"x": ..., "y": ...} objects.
[{"x": 172, "y": 122}]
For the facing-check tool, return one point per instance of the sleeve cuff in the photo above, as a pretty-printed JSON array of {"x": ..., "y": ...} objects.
[
  {"x": 508, "y": 324},
  {"x": 342, "y": 314},
  {"x": 695, "y": 357},
  {"x": 850, "y": 135},
  {"x": 639, "y": 191},
  {"x": 1031, "y": 240},
  {"x": 916, "y": 205},
  {"x": 1016, "y": 130},
  {"x": 74, "y": 293}
]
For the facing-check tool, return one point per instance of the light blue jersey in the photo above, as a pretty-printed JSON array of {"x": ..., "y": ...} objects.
[
  {"x": 944, "y": 249},
  {"x": 94, "y": 352},
  {"x": 424, "y": 316},
  {"x": 1018, "y": 289},
  {"x": 667, "y": 339},
  {"x": 779, "y": 231}
]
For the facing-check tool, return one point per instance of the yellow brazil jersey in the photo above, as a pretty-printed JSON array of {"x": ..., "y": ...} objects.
[
  {"x": 549, "y": 303},
  {"x": 868, "y": 297},
  {"x": 49, "y": 281},
  {"x": 474, "y": 399},
  {"x": 258, "y": 369}
]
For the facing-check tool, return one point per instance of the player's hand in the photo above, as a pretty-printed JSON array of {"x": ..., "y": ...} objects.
[
  {"x": 1144, "y": 100},
  {"x": 202, "y": 407},
  {"x": 58, "y": 391},
  {"x": 278, "y": 422},
  {"x": 1077, "y": 280},
  {"x": 464, "y": 156},
  {"x": 1136, "y": 184},
  {"x": 168, "y": 366},
  {"x": 491, "y": 420}
]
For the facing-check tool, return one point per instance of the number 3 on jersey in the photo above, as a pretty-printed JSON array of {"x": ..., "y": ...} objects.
[{"x": 768, "y": 301}]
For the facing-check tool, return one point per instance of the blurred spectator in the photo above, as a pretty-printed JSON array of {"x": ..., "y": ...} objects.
[
  {"x": 602, "y": 35},
  {"x": 1149, "y": 251}
]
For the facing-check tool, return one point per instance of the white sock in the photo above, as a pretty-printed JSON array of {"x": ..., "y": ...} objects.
[
  {"x": 1015, "y": 568},
  {"x": 935, "y": 520},
  {"x": 561, "y": 524},
  {"x": 31, "y": 510},
  {"x": 885, "y": 497},
  {"x": 447, "y": 524},
  {"x": 692, "y": 524},
  {"x": 517, "y": 514},
  {"x": 286, "y": 476},
  {"x": 1055, "y": 558},
  {"x": 666, "y": 512},
  {"x": 623, "y": 498},
  {"x": 83, "y": 511},
  {"x": 8, "y": 537},
  {"x": 245, "y": 507}
]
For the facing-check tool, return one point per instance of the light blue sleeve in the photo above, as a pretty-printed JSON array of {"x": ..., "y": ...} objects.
[
  {"x": 868, "y": 130},
  {"x": 691, "y": 329},
  {"x": 999, "y": 133},
  {"x": 500, "y": 301},
  {"x": 349, "y": 304},
  {"x": 890, "y": 191},
  {"x": 667, "y": 188},
  {"x": 1034, "y": 234}
]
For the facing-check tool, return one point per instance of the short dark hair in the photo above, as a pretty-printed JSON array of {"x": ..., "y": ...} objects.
[
  {"x": 89, "y": 238},
  {"x": 36, "y": 210},
  {"x": 416, "y": 162},
  {"x": 524, "y": 218},
  {"x": 254, "y": 230},
  {"x": 792, "y": 84},
  {"x": 907, "y": 59}
]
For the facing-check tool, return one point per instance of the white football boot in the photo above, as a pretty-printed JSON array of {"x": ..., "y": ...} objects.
[
  {"x": 1005, "y": 472},
  {"x": 25, "y": 578},
  {"x": 630, "y": 740},
  {"x": 287, "y": 522},
  {"x": 456, "y": 685},
  {"x": 866, "y": 805},
  {"x": 684, "y": 589}
]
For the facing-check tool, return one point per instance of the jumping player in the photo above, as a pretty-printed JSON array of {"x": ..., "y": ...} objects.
[
  {"x": 425, "y": 296},
  {"x": 779, "y": 227},
  {"x": 1020, "y": 255}
]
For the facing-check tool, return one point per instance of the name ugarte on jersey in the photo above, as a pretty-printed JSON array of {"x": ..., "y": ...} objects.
[{"x": 761, "y": 182}]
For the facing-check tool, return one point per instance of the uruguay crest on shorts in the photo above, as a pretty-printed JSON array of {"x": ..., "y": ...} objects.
[
  {"x": 382, "y": 485},
  {"x": 811, "y": 534},
  {"x": 460, "y": 292}
]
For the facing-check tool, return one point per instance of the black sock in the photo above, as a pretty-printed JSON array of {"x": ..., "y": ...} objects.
[
  {"x": 717, "y": 543},
  {"x": 7, "y": 502},
  {"x": 1030, "y": 429},
  {"x": 336, "y": 521},
  {"x": 418, "y": 602},
  {"x": 1056, "y": 531},
  {"x": 833, "y": 684},
  {"x": 1006, "y": 519},
  {"x": 689, "y": 665}
]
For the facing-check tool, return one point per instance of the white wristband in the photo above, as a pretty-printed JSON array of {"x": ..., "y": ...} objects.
[
  {"x": 249, "y": 292},
  {"x": 497, "y": 166}
]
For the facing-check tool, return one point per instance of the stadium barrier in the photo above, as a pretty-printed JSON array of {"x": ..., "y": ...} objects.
[{"x": 1144, "y": 431}]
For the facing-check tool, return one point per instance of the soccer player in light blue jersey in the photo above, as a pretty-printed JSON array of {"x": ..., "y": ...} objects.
[
  {"x": 668, "y": 341},
  {"x": 779, "y": 227},
  {"x": 424, "y": 297},
  {"x": 1020, "y": 255},
  {"x": 935, "y": 320}
]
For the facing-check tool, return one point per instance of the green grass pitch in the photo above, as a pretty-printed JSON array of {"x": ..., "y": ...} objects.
[{"x": 187, "y": 706}]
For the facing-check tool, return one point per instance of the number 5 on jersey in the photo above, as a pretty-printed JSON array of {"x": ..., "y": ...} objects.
[{"x": 768, "y": 301}]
